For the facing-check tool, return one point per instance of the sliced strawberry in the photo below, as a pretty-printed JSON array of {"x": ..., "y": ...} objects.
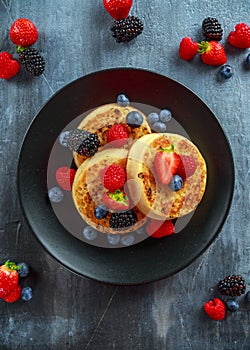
[
  {"x": 159, "y": 229},
  {"x": 14, "y": 295},
  {"x": 166, "y": 163},
  {"x": 187, "y": 167},
  {"x": 117, "y": 201}
]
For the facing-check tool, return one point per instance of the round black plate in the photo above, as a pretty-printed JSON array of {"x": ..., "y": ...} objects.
[{"x": 152, "y": 259}]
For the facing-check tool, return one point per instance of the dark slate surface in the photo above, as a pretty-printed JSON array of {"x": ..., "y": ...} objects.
[{"x": 70, "y": 312}]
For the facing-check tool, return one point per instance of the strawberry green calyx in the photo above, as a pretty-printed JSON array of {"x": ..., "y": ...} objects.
[
  {"x": 119, "y": 197},
  {"x": 20, "y": 49},
  {"x": 167, "y": 150},
  {"x": 11, "y": 265},
  {"x": 203, "y": 46}
]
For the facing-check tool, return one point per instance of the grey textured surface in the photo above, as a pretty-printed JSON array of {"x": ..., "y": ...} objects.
[{"x": 75, "y": 40}]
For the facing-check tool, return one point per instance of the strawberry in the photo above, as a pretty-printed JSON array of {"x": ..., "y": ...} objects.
[
  {"x": 8, "y": 66},
  {"x": 117, "y": 201},
  {"x": 188, "y": 48},
  {"x": 212, "y": 53},
  {"x": 118, "y": 9},
  {"x": 8, "y": 278},
  {"x": 14, "y": 295},
  {"x": 240, "y": 37},
  {"x": 215, "y": 309},
  {"x": 166, "y": 162},
  {"x": 114, "y": 177},
  {"x": 23, "y": 32},
  {"x": 118, "y": 135},
  {"x": 187, "y": 167},
  {"x": 65, "y": 177},
  {"x": 159, "y": 229}
]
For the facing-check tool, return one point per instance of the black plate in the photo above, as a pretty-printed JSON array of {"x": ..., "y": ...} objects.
[{"x": 152, "y": 259}]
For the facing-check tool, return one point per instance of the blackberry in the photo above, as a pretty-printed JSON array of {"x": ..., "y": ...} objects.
[
  {"x": 127, "y": 29},
  {"x": 211, "y": 29},
  {"x": 233, "y": 285},
  {"x": 122, "y": 220},
  {"x": 32, "y": 61},
  {"x": 82, "y": 142}
]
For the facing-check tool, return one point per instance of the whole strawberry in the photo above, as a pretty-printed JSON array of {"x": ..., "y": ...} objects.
[
  {"x": 9, "y": 67},
  {"x": 188, "y": 48},
  {"x": 118, "y": 9},
  {"x": 8, "y": 278},
  {"x": 215, "y": 309},
  {"x": 212, "y": 53},
  {"x": 159, "y": 229},
  {"x": 240, "y": 37},
  {"x": 65, "y": 177},
  {"x": 166, "y": 163},
  {"x": 23, "y": 32}
]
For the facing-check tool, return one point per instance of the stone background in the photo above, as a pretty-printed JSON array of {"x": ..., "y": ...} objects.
[{"x": 70, "y": 312}]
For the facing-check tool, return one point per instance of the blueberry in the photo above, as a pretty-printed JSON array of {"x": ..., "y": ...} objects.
[
  {"x": 134, "y": 119},
  {"x": 56, "y": 194},
  {"x": 128, "y": 240},
  {"x": 140, "y": 230},
  {"x": 63, "y": 138},
  {"x": 153, "y": 118},
  {"x": 101, "y": 212},
  {"x": 176, "y": 183},
  {"x": 89, "y": 233},
  {"x": 24, "y": 269},
  {"x": 122, "y": 100},
  {"x": 26, "y": 293},
  {"x": 165, "y": 115},
  {"x": 159, "y": 127},
  {"x": 248, "y": 60},
  {"x": 113, "y": 238},
  {"x": 232, "y": 305},
  {"x": 226, "y": 71}
]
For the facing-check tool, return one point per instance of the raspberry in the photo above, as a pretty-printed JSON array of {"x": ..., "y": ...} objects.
[
  {"x": 187, "y": 167},
  {"x": 215, "y": 309},
  {"x": 118, "y": 135},
  {"x": 159, "y": 229},
  {"x": 127, "y": 29},
  {"x": 118, "y": 9},
  {"x": 188, "y": 48},
  {"x": 240, "y": 37},
  {"x": 114, "y": 177},
  {"x": 233, "y": 285},
  {"x": 65, "y": 177},
  {"x": 8, "y": 66}
]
